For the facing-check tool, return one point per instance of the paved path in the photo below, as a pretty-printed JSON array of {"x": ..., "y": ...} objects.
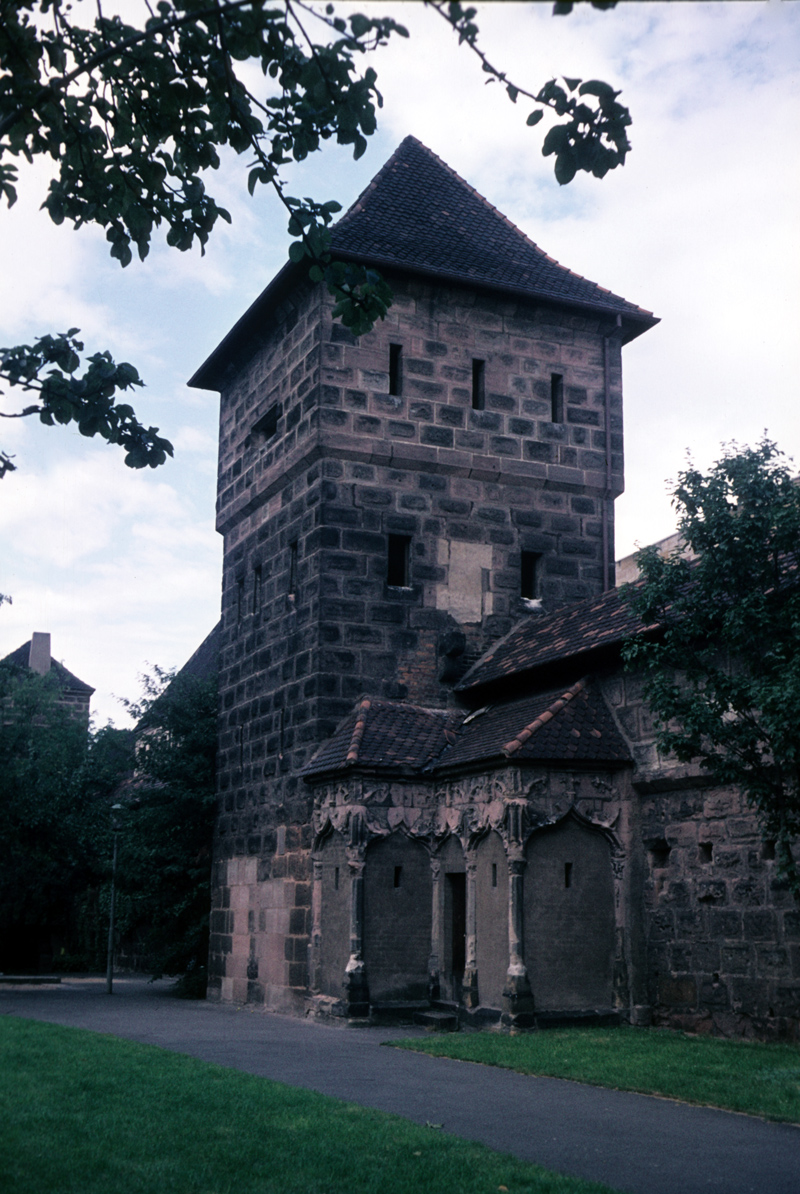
[{"x": 632, "y": 1142}]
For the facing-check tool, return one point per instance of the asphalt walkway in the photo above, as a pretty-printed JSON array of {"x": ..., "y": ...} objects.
[{"x": 634, "y": 1143}]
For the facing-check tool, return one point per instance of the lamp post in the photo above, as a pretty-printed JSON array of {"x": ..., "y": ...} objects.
[{"x": 115, "y": 809}]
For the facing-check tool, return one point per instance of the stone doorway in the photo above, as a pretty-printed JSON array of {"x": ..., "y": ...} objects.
[{"x": 569, "y": 918}]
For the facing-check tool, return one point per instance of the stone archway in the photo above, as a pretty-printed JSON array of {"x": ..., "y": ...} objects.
[
  {"x": 397, "y": 918},
  {"x": 569, "y": 925}
]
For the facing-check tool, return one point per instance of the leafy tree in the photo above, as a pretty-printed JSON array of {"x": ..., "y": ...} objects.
[
  {"x": 53, "y": 815},
  {"x": 722, "y": 676},
  {"x": 136, "y": 117},
  {"x": 168, "y": 824}
]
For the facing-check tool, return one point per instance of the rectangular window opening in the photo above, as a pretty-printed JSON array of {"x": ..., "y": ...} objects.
[
  {"x": 395, "y": 369},
  {"x": 556, "y": 397},
  {"x": 397, "y": 561},
  {"x": 568, "y": 874},
  {"x": 398, "y": 870},
  {"x": 494, "y": 874},
  {"x": 528, "y": 573},
  {"x": 239, "y": 598},
  {"x": 292, "y": 570},
  {"x": 478, "y": 384},
  {"x": 768, "y": 850},
  {"x": 705, "y": 851},
  {"x": 659, "y": 855},
  {"x": 336, "y": 878},
  {"x": 267, "y": 425},
  {"x": 257, "y": 589}
]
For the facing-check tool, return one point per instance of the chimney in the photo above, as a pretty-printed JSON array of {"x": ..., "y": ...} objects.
[{"x": 39, "y": 658}]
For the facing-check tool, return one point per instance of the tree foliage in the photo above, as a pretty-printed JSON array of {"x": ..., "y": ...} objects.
[
  {"x": 135, "y": 117},
  {"x": 723, "y": 675},
  {"x": 167, "y": 825},
  {"x": 54, "y": 822}
]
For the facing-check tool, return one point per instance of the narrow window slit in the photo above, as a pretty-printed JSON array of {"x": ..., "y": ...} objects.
[
  {"x": 568, "y": 874},
  {"x": 395, "y": 369},
  {"x": 528, "y": 570},
  {"x": 398, "y": 870},
  {"x": 494, "y": 874},
  {"x": 478, "y": 384},
  {"x": 257, "y": 589},
  {"x": 397, "y": 561},
  {"x": 706, "y": 851},
  {"x": 556, "y": 397},
  {"x": 336, "y": 878},
  {"x": 292, "y": 570}
]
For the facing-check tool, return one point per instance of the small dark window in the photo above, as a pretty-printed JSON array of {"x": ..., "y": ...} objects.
[
  {"x": 395, "y": 368},
  {"x": 267, "y": 425},
  {"x": 397, "y": 561},
  {"x": 478, "y": 384},
  {"x": 557, "y": 397},
  {"x": 659, "y": 855},
  {"x": 705, "y": 851},
  {"x": 398, "y": 870},
  {"x": 568, "y": 874},
  {"x": 768, "y": 850},
  {"x": 336, "y": 878},
  {"x": 257, "y": 589},
  {"x": 292, "y": 570},
  {"x": 494, "y": 874},
  {"x": 528, "y": 569},
  {"x": 239, "y": 598}
]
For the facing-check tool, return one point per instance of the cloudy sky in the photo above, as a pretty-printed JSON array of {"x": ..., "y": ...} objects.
[{"x": 702, "y": 226}]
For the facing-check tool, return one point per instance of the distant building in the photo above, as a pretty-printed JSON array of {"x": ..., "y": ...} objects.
[
  {"x": 431, "y": 794},
  {"x": 35, "y": 656}
]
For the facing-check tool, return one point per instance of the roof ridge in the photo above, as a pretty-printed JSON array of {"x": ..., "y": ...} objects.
[
  {"x": 358, "y": 731},
  {"x": 522, "y": 737}
]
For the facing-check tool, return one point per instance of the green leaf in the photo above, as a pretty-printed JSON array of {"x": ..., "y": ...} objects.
[{"x": 535, "y": 117}]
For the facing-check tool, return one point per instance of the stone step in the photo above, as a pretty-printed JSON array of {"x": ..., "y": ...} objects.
[{"x": 437, "y": 1021}]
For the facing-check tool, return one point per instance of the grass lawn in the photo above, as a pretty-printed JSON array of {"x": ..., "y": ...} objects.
[
  {"x": 760, "y": 1079},
  {"x": 84, "y": 1113}
]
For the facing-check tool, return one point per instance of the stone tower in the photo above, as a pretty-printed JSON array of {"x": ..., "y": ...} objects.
[{"x": 387, "y": 504}]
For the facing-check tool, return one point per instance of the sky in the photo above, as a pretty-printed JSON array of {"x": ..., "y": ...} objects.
[{"x": 701, "y": 226}]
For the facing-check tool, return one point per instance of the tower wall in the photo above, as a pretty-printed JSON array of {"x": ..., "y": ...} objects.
[{"x": 319, "y": 465}]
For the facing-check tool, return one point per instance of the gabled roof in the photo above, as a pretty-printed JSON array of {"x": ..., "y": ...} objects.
[
  {"x": 572, "y": 725},
  {"x": 380, "y": 734},
  {"x": 419, "y": 217},
  {"x": 201, "y": 666},
  {"x": 588, "y": 627},
  {"x": 19, "y": 660}
]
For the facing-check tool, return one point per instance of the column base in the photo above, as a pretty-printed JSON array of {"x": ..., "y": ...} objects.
[
  {"x": 518, "y": 1008},
  {"x": 356, "y": 991},
  {"x": 469, "y": 989}
]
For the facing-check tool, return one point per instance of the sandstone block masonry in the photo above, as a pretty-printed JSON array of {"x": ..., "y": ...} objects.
[{"x": 385, "y": 503}]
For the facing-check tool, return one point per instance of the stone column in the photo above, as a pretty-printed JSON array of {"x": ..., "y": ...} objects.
[
  {"x": 315, "y": 944},
  {"x": 469, "y": 989},
  {"x": 517, "y": 995},
  {"x": 356, "y": 991},
  {"x": 434, "y": 989}
]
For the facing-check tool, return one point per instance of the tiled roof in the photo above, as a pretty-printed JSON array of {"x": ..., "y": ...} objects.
[
  {"x": 202, "y": 665},
  {"x": 536, "y": 641},
  {"x": 571, "y": 725},
  {"x": 417, "y": 214},
  {"x": 18, "y": 660},
  {"x": 384, "y": 734}
]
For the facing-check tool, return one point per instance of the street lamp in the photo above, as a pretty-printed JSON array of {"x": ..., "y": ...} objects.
[{"x": 115, "y": 809}]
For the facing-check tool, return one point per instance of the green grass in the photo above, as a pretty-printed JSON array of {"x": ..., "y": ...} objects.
[
  {"x": 88, "y": 1114},
  {"x": 750, "y": 1076}
]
